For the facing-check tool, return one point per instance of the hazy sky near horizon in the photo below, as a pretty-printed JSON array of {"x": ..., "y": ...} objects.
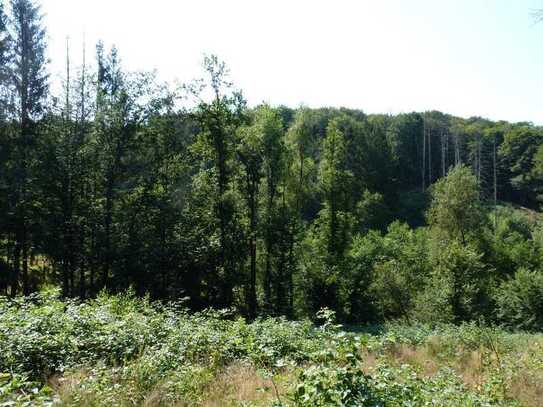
[{"x": 464, "y": 57}]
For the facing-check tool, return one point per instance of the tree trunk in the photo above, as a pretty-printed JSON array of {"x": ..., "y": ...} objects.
[
  {"x": 270, "y": 203},
  {"x": 443, "y": 165},
  {"x": 495, "y": 186},
  {"x": 252, "y": 288},
  {"x": 429, "y": 157},
  {"x": 24, "y": 244},
  {"x": 108, "y": 216},
  {"x": 423, "y": 154},
  {"x": 16, "y": 267}
]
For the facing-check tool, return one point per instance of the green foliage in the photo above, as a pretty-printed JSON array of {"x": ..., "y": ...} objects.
[
  {"x": 17, "y": 390},
  {"x": 519, "y": 300},
  {"x": 259, "y": 211},
  {"x": 365, "y": 251},
  {"x": 45, "y": 335},
  {"x": 457, "y": 285},
  {"x": 455, "y": 207},
  {"x": 412, "y": 207},
  {"x": 371, "y": 212},
  {"x": 115, "y": 183},
  {"x": 334, "y": 385},
  {"x": 386, "y": 272},
  {"x": 400, "y": 272},
  {"x": 512, "y": 241},
  {"x": 123, "y": 350},
  {"x": 341, "y": 380},
  {"x": 405, "y": 139},
  {"x": 519, "y": 152},
  {"x": 389, "y": 386}
]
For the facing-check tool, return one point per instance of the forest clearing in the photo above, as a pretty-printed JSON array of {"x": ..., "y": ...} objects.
[{"x": 181, "y": 242}]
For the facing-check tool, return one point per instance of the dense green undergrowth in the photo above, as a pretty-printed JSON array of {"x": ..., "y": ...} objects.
[{"x": 121, "y": 350}]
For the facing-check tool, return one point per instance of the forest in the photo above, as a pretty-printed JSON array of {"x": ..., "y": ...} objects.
[
  {"x": 135, "y": 198},
  {"x": 116, "y": 183}
]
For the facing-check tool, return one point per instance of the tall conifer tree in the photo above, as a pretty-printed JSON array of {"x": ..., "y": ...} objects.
[{"x": 29, "y": 80}]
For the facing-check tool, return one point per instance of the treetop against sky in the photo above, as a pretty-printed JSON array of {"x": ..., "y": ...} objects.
[{"x": 464, "y": 57}]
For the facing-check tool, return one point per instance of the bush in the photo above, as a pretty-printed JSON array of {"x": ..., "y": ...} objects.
[
  {"x": 457, "y": 288},
  {"x": 390, "y": 269},
  {"x": 519, "y": 301},
  {"x": 513, "y": 242},
  {"x": 121, "y": 350},
  {"x": 18, "y": 390}
]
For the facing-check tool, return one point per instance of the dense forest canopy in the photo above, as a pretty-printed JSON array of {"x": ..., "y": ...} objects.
[{"x": 111, "y": 185}]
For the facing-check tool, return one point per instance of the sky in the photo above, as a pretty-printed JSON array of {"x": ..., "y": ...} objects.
[{"x": 463, "y": 57}]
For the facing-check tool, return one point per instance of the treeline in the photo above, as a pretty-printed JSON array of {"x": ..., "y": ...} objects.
[{"x": 272, "y": 210}]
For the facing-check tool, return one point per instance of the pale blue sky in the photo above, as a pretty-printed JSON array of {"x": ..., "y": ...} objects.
[{"x": 464, "y": 57}]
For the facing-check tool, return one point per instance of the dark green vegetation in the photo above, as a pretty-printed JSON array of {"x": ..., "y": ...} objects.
[
  {"x": 270, "y": 211},
  {"x": 121, "y": 350},
  {"x": 118, "y": 184}
]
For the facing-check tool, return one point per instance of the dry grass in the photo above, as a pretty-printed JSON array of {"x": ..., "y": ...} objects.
[
  {"x": 242, "y": 382},
  {"x": 369, "y": 361},
  {"x": 527, "y": 390},
  {"x": 239, "y": 382},
  {"x": 66, "y": 387},
  {"x": 475, "y": 367},
  {"x": 420, "y": 358},
  {"x": 526, "y": 385}
]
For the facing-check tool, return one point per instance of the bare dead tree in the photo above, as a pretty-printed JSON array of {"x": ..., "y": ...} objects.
[
  {"x": 429, "y": 157},
  {"x": 495, "y": 185},
  {"x": 537, "y": 15},
  {"x": 457, "y": 160},
  {"x": 443, "y": 154},
  {"x": 423, "y": 154}
]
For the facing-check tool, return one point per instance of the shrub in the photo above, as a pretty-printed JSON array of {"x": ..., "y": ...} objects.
[
  {"x": 520, "y": 300},
  {"x": 457, "y": 288}
]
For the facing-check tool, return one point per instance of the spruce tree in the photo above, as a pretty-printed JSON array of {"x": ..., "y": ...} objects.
[
  {"x": 5, "y": 45},
  {"x": 29, "y": 81}
]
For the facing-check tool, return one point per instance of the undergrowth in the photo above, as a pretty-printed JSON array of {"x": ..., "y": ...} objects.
[{"x": 123, "y": 350}]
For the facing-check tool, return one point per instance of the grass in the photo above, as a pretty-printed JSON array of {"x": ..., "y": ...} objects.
[{"x": 121, "y": 350}]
